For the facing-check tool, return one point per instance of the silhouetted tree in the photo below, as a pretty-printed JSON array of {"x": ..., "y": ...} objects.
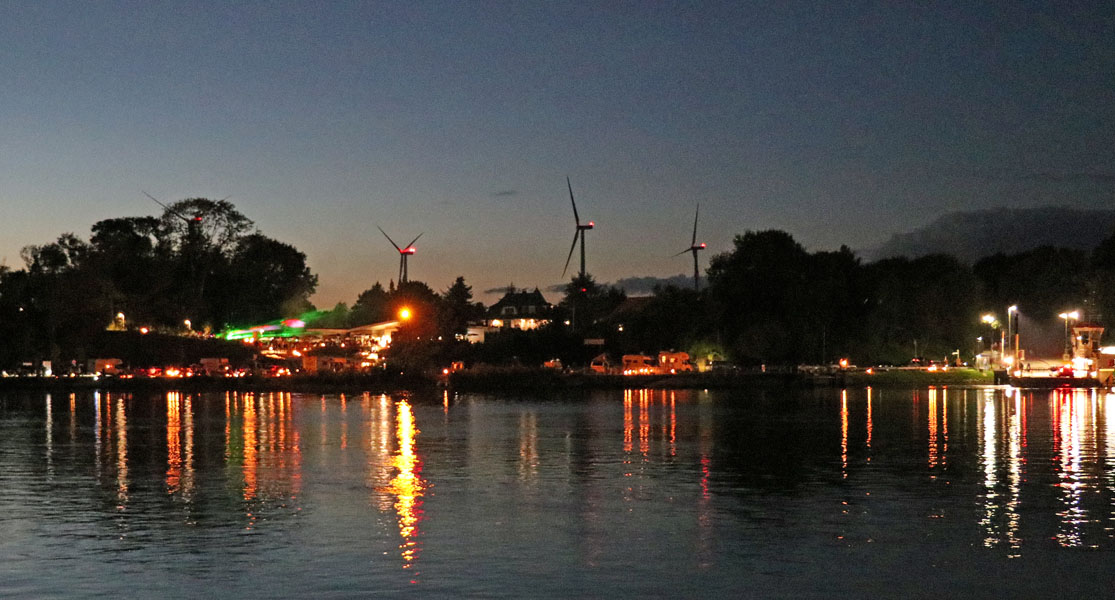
[
  {"x": 1043, "y": 281},
  {"x": 370, "y": 306},
  {"x": 759, "y": 294},
  {"x": 158, "y": 271},
  {"x": 458, "y": 308},
  {"x": 933, "y": 300},
  {"x": 262, "y": 279},
  {"x": 672, "y": 318},
  {"x": 587, "y": 304}
]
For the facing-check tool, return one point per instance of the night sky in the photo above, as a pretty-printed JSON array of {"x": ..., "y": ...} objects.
[{"x": 840, "y": 123}]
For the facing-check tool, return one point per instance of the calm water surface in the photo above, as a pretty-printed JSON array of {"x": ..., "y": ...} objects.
[{"x": 912, "y": 493}]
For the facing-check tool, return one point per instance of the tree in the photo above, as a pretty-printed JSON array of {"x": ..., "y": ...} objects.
[
  {"x": 1044, "y": 281},
  {"x": 1102, "y": 283},
  {"x": 423, "y": 305},
  {"x": 203, "y": 234},
  {"x": 587, "y": 304},
  {"x": 15, "y": 318},
  {"x": 64, "y": 301},
  {"x": 131, "y": 259},
  {"x": 264, "y": 278},
  {"x": 759, "y": 294},
  {"x": 670, "y": 319},
  {"x": 775, "y": 302},
  {"x": 337, "y": 318},
  {"x": 157, "y": 270},
  {"x": 933, "y": 300},
  {"x": 458, "y": 308},
  {"x": 370, "y": 307}
]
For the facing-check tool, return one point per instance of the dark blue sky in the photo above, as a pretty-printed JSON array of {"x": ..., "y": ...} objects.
[{"x": 841, "y": 123}]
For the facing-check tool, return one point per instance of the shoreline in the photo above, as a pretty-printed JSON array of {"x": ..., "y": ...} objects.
[
  {"x": 507, "y": 379},
  {"x": 514, "y": 379}
]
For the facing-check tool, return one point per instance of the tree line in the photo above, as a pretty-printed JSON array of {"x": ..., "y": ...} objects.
[
  {"x": 202, "y": 266},
  {"x": 768, "y": 300}
]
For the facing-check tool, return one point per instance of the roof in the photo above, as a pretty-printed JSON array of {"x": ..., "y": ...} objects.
[
  {"x": 631, "y": 305},
  {"x": 519, "y": 299}
]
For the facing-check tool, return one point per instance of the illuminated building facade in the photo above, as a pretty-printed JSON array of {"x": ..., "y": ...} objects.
[{"x": 520, "y": 309}]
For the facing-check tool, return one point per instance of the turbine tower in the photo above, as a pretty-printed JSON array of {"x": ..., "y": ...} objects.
[
  {"x": 578, "y": 232},
  {"x": 194, "y": 254},
  {"x": 403, "y": 253},
  {"x": 694, "y": 247}
]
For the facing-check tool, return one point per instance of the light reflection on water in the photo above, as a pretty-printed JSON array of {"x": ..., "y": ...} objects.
[{"x": 636, "y": 491}]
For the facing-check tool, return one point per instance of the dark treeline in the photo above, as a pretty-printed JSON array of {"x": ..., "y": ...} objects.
[
  {"x": 767, "y": 300},
  {"x": 200, "y": 267},
  {"x": 770, "y": 301},
  {"x": 201, "y": 261}
]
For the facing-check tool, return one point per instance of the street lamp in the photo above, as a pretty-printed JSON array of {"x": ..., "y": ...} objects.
[
  {"x": 404, "y": 314},
  {"x": 993, "y": 322},
  {"x": 1074, "y": 315},
  {"x": 1010, "y": 333}
]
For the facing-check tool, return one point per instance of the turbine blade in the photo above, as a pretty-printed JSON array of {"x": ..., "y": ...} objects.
[
  {"x": 695, "y": 215},
  {"x": 389, "y": 238},
  {"x": 167, "y": 208},
  {"x": 415, "y": 239},
  {"x": 576, "y": 217},
  {"x": 683, "y": 252},
  {"x": 570, "y": 257}
]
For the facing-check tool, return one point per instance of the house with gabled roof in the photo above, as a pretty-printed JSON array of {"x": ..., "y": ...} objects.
[{"x": 520, "y": 309}]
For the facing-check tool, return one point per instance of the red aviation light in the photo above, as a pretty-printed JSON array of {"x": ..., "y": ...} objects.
[
  {"x": 591, "y": 224},
  {"x": 702, "y": 245},
  {"x": 410, "y": 250},
  {"x": 197, "y": 218}
]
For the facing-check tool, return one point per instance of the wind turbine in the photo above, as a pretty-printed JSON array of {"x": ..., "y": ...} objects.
[
  {"x": 579, "y": 232},
  {"x": 694, "y": 247},
  {"x": 403, "y": 252},
  {"x": 191, "y": 248},
  {"x": 190, "y": 223}
]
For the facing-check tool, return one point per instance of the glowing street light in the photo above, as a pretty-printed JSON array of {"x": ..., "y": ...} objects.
[
  {"x": 993, "y": 321},
  {"x": 188, "y": 324},
  {"x": 1010, "y": 336},
  {"x": 1067, "y": 316},
  {"x": 404, "y": 314}
]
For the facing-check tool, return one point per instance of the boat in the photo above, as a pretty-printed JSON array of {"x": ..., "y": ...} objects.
[{"x": 1086, "y": 365}]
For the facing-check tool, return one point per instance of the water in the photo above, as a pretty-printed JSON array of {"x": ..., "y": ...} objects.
[{"x": 912, "y": 493}]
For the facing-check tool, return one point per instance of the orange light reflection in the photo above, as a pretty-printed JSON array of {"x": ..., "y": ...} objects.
[
  {"x": 173, "y": 444},
  {"x": 844, "y": 433},
  {"x": 407, "y": 486}
]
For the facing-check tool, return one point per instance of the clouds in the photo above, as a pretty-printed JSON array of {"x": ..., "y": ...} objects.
[
  {"x": 1069, "y": 177},
  {"x": 1064, "y": 177},
  {"x": 638, "y": 286}
]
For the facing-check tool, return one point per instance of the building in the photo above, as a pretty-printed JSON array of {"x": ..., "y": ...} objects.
[{"x": 520, "y": 309}]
